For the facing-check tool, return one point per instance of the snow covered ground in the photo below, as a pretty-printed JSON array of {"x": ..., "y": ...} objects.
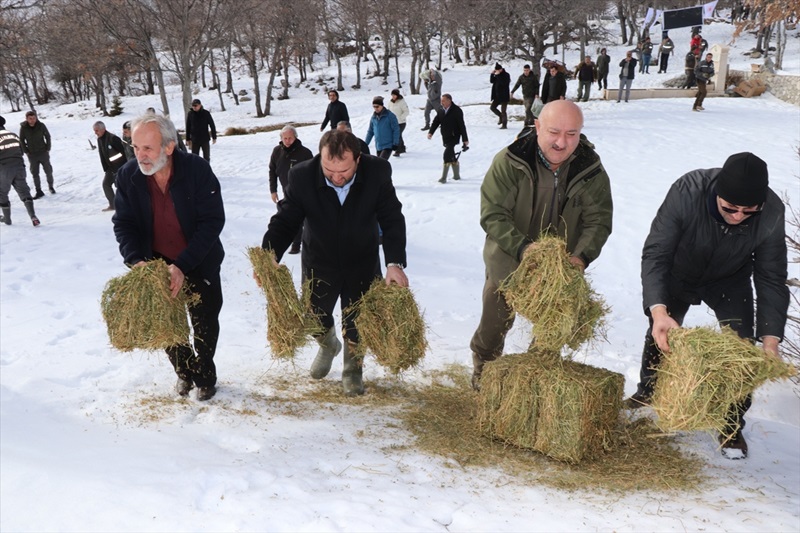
[{"x": 95, "y": 440}]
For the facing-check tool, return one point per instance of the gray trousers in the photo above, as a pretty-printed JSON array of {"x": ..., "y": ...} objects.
[
  {"x": 13, "y": 176},
  {"x": 108, "y": 189},
  {"x": 624, "y": 83},
  {"x": 584, "y": 88},
  {"x": 527, "y": 103},
  {"x": 35, "y": 160},
  {"x": 496, "y": 319},
  {"x": 430, "y": 106}
]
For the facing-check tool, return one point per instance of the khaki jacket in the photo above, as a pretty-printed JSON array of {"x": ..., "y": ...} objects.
[{"x": 508, "y": 194}]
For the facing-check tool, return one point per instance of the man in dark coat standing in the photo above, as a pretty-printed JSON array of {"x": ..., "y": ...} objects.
[
  {"x": 336, "y": 111},
  {"x": 198, "y": 124},
  {"x": 12, "y": 174},
  {"x": 451, "y": 119},
  {"x": 556, "y": 83},
  {"x": 289, "y": 152},
  {"x": 626, "y": 74},
  {"x": 343, "y": 197},
  {"x": 717, "y": 230},
  {"x": 169, "y": 206},
  {"x": 501, "y": 82},
  {"x": 112, "y": 156},
  {"x": 36, "y": 144}
]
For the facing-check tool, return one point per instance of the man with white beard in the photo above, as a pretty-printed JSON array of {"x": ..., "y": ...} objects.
[{"x": 169, "y": 206}]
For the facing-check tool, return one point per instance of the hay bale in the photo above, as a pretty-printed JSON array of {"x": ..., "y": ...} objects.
[
  {"x": 705, "y": 373},
  {"x": 561, "y": 408},
  {"x": 140, "y": 312},
  {"x": 390, "y": 326},
  {"x": 555, "y": 296},
  {"x": 290, "y": 321}
]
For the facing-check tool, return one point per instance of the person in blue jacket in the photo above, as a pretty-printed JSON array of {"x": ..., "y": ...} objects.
[{"x": 384, "y": 127}]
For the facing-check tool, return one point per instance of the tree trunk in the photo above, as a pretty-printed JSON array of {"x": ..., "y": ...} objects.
[
  {"x": 162, "y": 89},
  {"x": 358, "y": 67},
  {"x": 339, "y": 86},
  {"x": 217, "y": 83},
  {"x": 253, "y": 68},
  {"x": 780, "y": 43}
]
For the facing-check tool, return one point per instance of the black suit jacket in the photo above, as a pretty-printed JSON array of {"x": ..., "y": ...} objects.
[
  {"x": 452, "y": 123},
  {"x": 340, "y": 240}
]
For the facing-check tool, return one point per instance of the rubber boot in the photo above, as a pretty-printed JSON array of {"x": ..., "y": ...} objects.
[
  {"x": 7, "y": 215},
  {"x": 329, "y": 347},
  {"x": 445, "y": 170},
  {"x": 352, "y": 382},
  {"x": 456, "y": 171},
  {"x": 651, "y": 357},
  {"x": 31, "y": 212}
]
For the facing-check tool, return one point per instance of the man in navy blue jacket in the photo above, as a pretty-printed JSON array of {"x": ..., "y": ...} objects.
[
  {"x": 168, "y": 206},
  {"x": 341, "y": 196}
]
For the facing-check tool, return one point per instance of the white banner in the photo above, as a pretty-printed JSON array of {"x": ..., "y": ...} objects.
[
  {"x": 648, "y": 18},
  {"x": 708, "y": 9}
]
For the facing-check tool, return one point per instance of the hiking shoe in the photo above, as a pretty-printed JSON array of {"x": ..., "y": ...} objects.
[
  {"x": 701, "y": 108},
  {"x": 425, "y": 128},
  {"x": 735, "y": 447},
  {"x": 183, "y": 386},
  {"x": 52, "y": 190},
  {"x": 442, "y": 180},
  {"x": 695, "y": 109},
  {"x": 636, "y": 401},
  {"x": 39, "y": 194},
  {"x": 109, "y": 208},
  {"x": 295, "y": 249},
  {"x": 206, "y": 393}
]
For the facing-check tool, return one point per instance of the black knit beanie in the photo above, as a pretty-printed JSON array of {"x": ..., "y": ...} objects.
[{"x": 743, "y": 180}]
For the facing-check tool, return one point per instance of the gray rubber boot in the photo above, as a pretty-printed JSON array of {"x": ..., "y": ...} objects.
[
  {"x": 456, "y": 171},
  {"x": 31, "y": 212},
  {"x": 329, "y": 347},
  {"x": 7, "y": 215},
  {"x": 352, "y": 382},
  {"x": 445, "y": 169}
]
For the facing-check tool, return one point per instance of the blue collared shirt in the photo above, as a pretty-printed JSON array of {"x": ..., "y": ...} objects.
[{"x": 342, "y": 191}]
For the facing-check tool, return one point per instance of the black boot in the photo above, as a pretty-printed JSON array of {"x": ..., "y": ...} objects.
[
  {"x": 6, "y": 218},
  {"x": 651, "y": 357},
  {"x": 39, "y": 194}
]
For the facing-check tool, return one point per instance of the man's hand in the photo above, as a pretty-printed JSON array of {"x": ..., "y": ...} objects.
[
  {"x": 662, "y": 323},
  {"x": 396, "y": 275},
  {"x": 577, "y": 262},
  {"x": 465, "y": 144},
  {"x": 176, "y": 279},
  {"x": 274, "y": 197},
  {"x": 213, "y": 141},
  {"x": 770, "y": 345},
  {"x": 430, "y": 136}
]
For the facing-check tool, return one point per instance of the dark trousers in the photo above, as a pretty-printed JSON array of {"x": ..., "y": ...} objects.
[
  {"x": 701, "y": 94},
  {"x": 326, "y": 288},
  {"x": 450, "y": 153},
  {"x": 502, "y": 112},
  {"x": 386, "y": 153},
  {"x": 733, "y": 306},
  {"x": 664, "y": 63},
  {"x": 197, "y": 365},
  {"x": 401, "y": 148},
  {"x": 108, "y": 186},
  {"x": 206, "y": 147},
  {"x": 40, "y": 159},
  {"x": 690, "y": 79},
  {"x": 602, "y": 82}
]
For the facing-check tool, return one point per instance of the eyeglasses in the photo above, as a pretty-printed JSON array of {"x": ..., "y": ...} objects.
[{"x": 733, "y": 211}]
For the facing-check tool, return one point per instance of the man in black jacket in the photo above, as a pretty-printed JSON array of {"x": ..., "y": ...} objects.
[
  {"x": 716, "y": 230},
  {"x": 501, "y": 81},
  {"x": 342, "y": 196},
  {"x": 198, "y": 124},
  {"x": 286, "y": 155},
  {"x": 36, "y": 144},
  {"x": 336, "y": 111},
  {"x": 169, "y": 206},
  {"x": 112, "y": 156},
  {"x": 451, "y": 119},
  {"x": 12, "y": 174}
]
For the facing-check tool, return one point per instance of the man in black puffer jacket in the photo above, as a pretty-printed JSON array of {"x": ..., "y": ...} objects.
[
  {"x": 287, "y": 154},
  {"x": 716, "y": 230}
]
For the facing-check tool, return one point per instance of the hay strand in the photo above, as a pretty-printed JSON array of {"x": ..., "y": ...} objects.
[
  {"x": 290, "y": 321},
  {"x": 555, "y": 296},
  {"x": 705, "y": 374},
  {"x": 140, "y": 312},
  {"x": 391, "y": 326}
]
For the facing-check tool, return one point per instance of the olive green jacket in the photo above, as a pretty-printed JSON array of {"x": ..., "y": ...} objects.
[{"x": 508, "y": 196}]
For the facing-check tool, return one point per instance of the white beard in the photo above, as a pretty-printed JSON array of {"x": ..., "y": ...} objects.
[{"x": 156, "y": 165}]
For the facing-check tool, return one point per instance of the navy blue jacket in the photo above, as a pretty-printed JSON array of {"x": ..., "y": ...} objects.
[
  {"x": 340, "y": 240},
  {"x": 195, "y": 192}
]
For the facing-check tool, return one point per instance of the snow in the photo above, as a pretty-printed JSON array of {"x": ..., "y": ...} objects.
[{"x": 96, "y": 440}]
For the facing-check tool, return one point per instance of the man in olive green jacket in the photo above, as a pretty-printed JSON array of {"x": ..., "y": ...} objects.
[{"x": 547, "y": 181}]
